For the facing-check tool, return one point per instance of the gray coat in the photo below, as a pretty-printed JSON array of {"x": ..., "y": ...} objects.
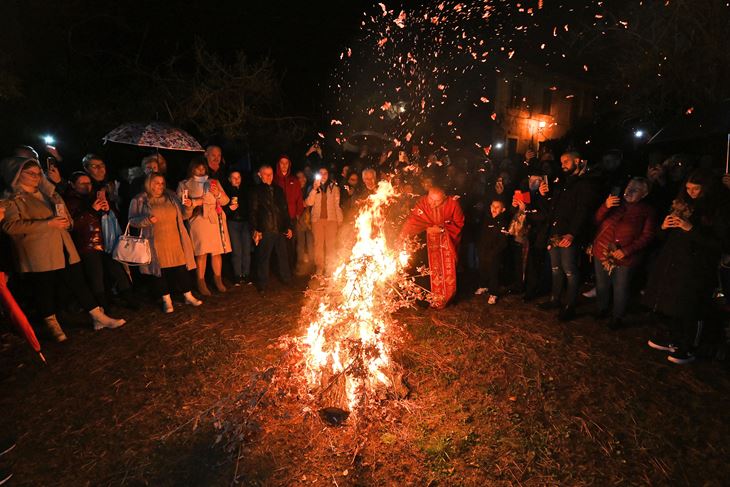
[{"x": 139, "y": 217}]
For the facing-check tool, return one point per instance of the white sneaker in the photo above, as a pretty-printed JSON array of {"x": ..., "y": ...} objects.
[
  {"x": 480, "y": 291},
  {"x": 192, "y": 300},
  {"x": 591, "y": 293},
  {"x": 492, "y": 299},
  {"x": 167, "y": 306}
]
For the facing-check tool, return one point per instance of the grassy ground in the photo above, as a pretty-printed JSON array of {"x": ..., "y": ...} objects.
[{"x": 500, "y": 395}]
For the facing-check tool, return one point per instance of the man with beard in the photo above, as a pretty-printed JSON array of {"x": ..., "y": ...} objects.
[{"x": 571, "y": 206}]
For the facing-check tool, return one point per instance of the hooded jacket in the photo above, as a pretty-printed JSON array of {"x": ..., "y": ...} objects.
[
  {"x": 292, "y": 191},
  {"x": 38, "y": 247}
]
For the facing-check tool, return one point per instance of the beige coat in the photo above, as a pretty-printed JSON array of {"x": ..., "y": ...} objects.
[
  {"x": 314, "y": 199},
  {"x": 38, "y": 247},
  {"x": 208, "y": 227}
]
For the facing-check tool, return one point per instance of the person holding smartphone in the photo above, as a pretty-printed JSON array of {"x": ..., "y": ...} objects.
[
  {"x": 38, "y": 223},
  {"x": 571, "y": 205},
  {"x": 626, "y": 226}
]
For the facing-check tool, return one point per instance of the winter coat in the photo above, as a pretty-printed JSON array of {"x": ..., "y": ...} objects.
[
  {"x": 314, "y": 199},
  {"x": 683, "y": 277},
  {"x": 207, "y": 223},
  {"x": 139, "y": 217},
  {"x": 493, "y": 238},
  {"x": 268, "y": 209},
  {"x": 87, "y": 234},
  {"x": 38, "y": 247},
  {"x": 292, "y": 191},
  {"x": 630, "y": 227},
  {"x": 572, "y": 205},
  {"x": 241, "y": 213}
]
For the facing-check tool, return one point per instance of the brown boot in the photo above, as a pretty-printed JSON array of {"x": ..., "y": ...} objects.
[
  {"x": 54, "y": 328},
  {"x": 202, "y": 288},
  {"x": 219, "y": 284}
]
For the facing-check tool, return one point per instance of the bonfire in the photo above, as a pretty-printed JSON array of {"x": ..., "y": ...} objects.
[{"x": 347, "y": 350}]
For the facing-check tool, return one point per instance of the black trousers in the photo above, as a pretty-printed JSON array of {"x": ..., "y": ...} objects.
[
  {"x": 99, "y": 269},
  {"x": 172, "y": 278},
  {"x": 489, "y": 267},
  {"x": 271, "y": 242},
  {"x": 46, "y": 284}
]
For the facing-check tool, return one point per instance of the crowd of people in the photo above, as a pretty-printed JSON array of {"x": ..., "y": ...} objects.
[{"x": 540, "y": 227}]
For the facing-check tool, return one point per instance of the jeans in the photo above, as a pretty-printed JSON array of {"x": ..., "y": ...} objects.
[
  {"x": 271, "y": 242},
  {"x": 564, "y": 267},
  {"x": 619, "y": 281},
  {"x": 241, "y": 242},
  {"x": 172, "y": 277},
  {"x": 99, "y": 265},
  {"x": 44, "y": 285}
]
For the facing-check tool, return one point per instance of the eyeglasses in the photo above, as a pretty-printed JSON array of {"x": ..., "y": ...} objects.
[{"x": 33, "y": 174}]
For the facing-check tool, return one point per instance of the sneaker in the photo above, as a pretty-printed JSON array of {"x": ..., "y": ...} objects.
[
  {"x": 550, "y": 304},
  {"x": 480, "y": 291},
  {"x": 237, "y": 281},
  {"x": 681, "y": 357},
  {"x": 5, "y": 475},
  {"x": 492, "y": 299},
  {"x": 663, "y": 345},
  {"x": 192, "y": 300},
  {"x": 591, "y": 293}
]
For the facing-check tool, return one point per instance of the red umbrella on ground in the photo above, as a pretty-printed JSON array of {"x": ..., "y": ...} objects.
[{"x": 16, "y": 315}]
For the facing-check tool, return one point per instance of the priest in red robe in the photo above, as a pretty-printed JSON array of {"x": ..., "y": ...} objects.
[{"x": 440, "y": 216}]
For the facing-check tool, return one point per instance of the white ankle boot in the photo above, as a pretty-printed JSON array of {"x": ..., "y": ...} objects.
[
  {"x": 101, "y": 320},
  {"x": 167, "y": 304},
  {"x": 54, "y": 328},
  {"x": 192, "y": 300}
]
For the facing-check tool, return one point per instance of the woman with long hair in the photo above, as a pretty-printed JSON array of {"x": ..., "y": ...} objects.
[
  {"x": 683, "y": 278},
  {"x": 324, "y": 198}
]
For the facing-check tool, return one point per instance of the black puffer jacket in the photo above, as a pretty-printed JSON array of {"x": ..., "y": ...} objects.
[{"x": 268, "y": 209}]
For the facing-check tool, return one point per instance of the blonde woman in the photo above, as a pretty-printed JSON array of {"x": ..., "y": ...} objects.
[{"x": 160, "y": 214}]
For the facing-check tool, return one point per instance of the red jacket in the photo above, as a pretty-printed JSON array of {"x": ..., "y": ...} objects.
[
  {"x": 293, "y": 192},
  {"x": 630, "y": 226}
]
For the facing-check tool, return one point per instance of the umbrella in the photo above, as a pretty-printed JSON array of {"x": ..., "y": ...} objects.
[
  {"x": 17, "y": 317},
  {"x": 154, "y": 134},
  {"x": 368, "y": 141}
]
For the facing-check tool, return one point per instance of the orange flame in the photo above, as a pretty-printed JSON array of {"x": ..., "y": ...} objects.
[{"x": 350, "y": 326}]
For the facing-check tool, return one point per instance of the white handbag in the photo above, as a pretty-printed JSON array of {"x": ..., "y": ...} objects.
[{"x": 132, "y": 250}]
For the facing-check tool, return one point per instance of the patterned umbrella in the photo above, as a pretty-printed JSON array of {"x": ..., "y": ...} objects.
[{"x": 154, "y": 134}]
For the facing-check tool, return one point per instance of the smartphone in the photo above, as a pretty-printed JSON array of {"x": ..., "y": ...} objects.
[
  {"x": 60, "y": 210},
  {"x": 101, "y": 195},
  {"x": 545, "y": 180},
  {"x": 616, "y": 191},
  {"x": 50, "y": 162}
]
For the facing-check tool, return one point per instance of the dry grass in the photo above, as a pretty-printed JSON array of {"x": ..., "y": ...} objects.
[{"x": 500, "y": 395}]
